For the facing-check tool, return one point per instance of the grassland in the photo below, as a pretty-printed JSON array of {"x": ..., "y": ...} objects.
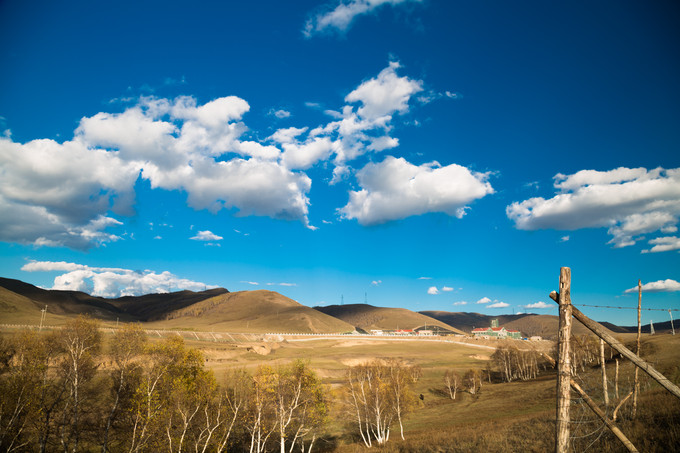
[{"x": 516, "y": 416}]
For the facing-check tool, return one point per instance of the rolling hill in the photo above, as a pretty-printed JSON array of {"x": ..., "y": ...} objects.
[
  {"x": 528, "y": 324},
  {"x": 254, "y": 311},
  {"x": 214, "y": 309},
  {"x": 368, "y": 317},
  {"x": 143, "y": 308}
]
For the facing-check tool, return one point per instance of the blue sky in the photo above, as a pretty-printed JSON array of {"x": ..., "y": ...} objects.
[{"x": 432, "y": 155}]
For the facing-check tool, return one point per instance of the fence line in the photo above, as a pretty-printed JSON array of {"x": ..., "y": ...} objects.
[{"x": 564, "y": 381}]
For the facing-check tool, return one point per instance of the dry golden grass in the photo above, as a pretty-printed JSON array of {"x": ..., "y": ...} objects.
[{"x": 368, "y": 317}]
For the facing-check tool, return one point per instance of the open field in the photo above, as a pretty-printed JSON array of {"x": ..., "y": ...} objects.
[{"x": 515, "y": 416}]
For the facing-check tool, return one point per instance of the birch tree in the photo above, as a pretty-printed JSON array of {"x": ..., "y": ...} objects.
[
  {"x": 80, "y": 341},
  {"x": 127, "y": 347},
  {"x": 452, "y": 381},
  {"x": 377, "y": 395}
]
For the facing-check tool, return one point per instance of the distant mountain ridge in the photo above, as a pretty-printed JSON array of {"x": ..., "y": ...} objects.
[
  {"x": 214, "y": 309},
  {"x": 258, "y": 311},
  {"x": 528, "y": 324},
  {"x": 141, "y": 308}
]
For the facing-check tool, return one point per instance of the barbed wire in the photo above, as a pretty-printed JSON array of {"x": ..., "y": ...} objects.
[{"x": 627, "y": 308}]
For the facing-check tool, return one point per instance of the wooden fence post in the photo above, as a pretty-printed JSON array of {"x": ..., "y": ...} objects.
[
  {"x": 636, "y": 385},
  {"x": 605, "y": 390},
  {"x": 564, "y": 363},
  {"x": 598, "y": 330}
]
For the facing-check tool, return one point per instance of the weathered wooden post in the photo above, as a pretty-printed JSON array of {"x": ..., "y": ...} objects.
[
  {"x": 636, "y": 385},
  {"x": 564, "y": 363},
  {"x": 605, "y": 391}
]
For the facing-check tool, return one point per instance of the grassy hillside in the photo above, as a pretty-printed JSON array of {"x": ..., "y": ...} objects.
[
  {"x": 215, "y": 309},
  {"x": 253, "y": 311},
  {"x": 66, "y": 303},
  {"x": 368, "y": 317},
  {"x": 143, "y": 308},
  {"x": 157, "y": 306},
  {"x": 17, "y": 309}
]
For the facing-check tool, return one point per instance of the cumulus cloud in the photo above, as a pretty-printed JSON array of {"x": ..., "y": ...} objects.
[
  {"x": 201, "y": 150},
  {"x": 659, "y": 286},
  {"x": 630, "y": 202},
  {"x": 340, "y": 18},
  {"x": 303, "y": 155},
  {"x": 376, "y": 282},
  {"x": 498, "y": 305},
  {"x": 432, "y": 290},
  {"x": 385, "y": 94},
  {"x": 112, "y": 282},
  {"x": 206, "y": 236},
  {"x": 538, "y": 305},
  {"x": 395, "y": 189},
  {"x": 664, "y": 244},
  {"x": 483, "y": 300},
  {"x": 175, "y": 144},
  {"x": 462, "y": 302},
  {"x": 447, "y": 289},
  {"x": 280, "y": 113},
  {"x": 47, "y": 200},
  {"x": 362, "y": 126}
]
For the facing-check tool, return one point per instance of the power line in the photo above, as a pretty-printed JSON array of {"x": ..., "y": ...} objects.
[{"x": 629, "y": 308}]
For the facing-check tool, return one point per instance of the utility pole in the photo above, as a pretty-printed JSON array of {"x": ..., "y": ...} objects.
[{"x": 43, "y": 314}]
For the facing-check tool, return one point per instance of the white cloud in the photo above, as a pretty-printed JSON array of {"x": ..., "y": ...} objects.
[
  {"x": 206, "y": 236},
  {"x": 302, "y": 156},
  {"x": 539, "y": 305},
  {"x": 483, "y": 300},
  {"x": 281, "y": 113},
  {"x": 630, "y": 202},
  {"x": 341, "y": 17},
  {"x": 384, "y": 95},
  {"x": 251, "y": 283},
  {"x": 424, "y": 278},
  {"x": 282, "y": 284},
  {"x": 288, "y": 135},
  {"x": 376, "y": 282},
  {"x": 112, "y": 282},
  {"x": 664, "y": 244},
  {"x": 564, "y": 238},
  {"x": 395, "y": 189},
  {"x": 659, "y": 286},
  {"x": 498, "y": 305},
  {"x": 447, "y": 289},
  {"x": 46, "y": 199},
  {"x": 179, "y": 144},
  {"x": 462, "y": 302},
  {"x": 432, "y": 290}
]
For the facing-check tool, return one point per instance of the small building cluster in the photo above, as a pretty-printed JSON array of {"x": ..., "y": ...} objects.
[
  {"x": 495, "y": 332},
  {"x": 402, "y": 332}
]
